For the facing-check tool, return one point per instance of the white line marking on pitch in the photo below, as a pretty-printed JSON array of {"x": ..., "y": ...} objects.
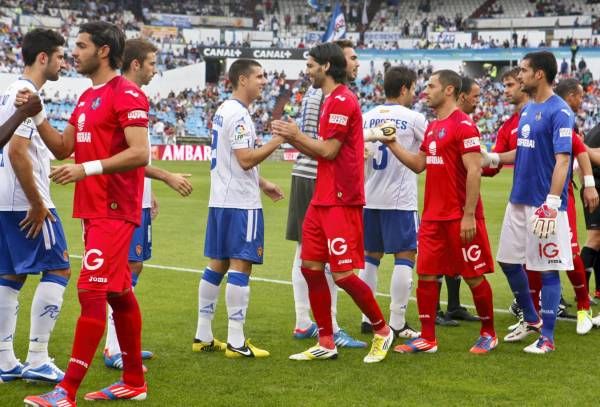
[{"x": 285, "y": 282}]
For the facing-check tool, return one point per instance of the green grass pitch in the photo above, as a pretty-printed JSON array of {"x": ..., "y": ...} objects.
[{"x": 178, "y": 377}]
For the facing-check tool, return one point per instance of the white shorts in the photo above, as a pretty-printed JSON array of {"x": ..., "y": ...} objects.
[{"x": 518, "y": 244}]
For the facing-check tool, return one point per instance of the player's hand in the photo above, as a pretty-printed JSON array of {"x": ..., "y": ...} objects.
[
  {"x": 385, "y": 132},
  {"x": 543, "y": 221},
  {"x": 288, "y": 130},
  {"x": 32, "y": 106},
  {"x": 468, "y": 228},
  {"x": 489, "y": 160},
  {"x": 67, "y": 173},
  {"x": 179, "y": 183},
  {"x": 34, "y": 220},
  {"x": 272, "y": 191},
  {"x": 590, "y": 199},
  {"x": 22, "y": 96},
  {"x": 153, "y": 207}
]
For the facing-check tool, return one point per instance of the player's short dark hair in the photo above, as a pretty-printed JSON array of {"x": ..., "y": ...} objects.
[
  {"x": 136, "y": 49},
  {"x": 103, "y": 33},
  {"x": 40, "y": 40},
  {"x": 344, "y": 43},
  {"x": 332, "y": 53},
  {"x": 544, "y": 61},
  {"x": 447, "y": 78},
  {"x": 466, "y": 84},
  {"x": 511, "y": 73},
  {"x": 567, "y": 86},
  {"x": 241, "y": 67},
  {"x": 397, "y": 77}
]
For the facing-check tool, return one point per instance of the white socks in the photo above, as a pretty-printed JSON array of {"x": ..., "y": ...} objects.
[
  {"x": 45, "y": 308},
  {"x": 400, "y": 289},
  {"x": 9, "y": 304},
  {"x": 237, "y": 296},
  {"x": 208, "y": 294},
  {"x": 300, "y": 288}
]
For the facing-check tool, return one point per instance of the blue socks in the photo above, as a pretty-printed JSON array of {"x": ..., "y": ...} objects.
[
  {"x": 517, "y": 280},
  {"x": 550, "y": 302}
]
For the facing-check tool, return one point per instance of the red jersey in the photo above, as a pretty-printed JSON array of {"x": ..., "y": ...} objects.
[
  {"x": 506, "y": 140},
  {"x": 445, "y": 183},
  {"x": 340, "y": 182},
  {"x": 100, "y": 117}
]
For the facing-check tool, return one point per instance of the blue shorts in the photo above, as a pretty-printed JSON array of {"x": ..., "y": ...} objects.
[
  {"x": 390, "y": 230},
  {"x": 235, "y": 234},
  {"x": 140, "y": 248},
  {"x": 19, "y": 255}
]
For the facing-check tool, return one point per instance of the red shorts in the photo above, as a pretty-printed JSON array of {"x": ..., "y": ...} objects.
[
  {"x": 572, "y": 215},
  {"x": 334, "y": 235},
  {"x": 442, "y": 253},
  {"x": 105, "y": 265}
]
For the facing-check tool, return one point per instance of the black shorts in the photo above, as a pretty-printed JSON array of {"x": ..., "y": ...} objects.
[
  {"x": 592, "y": 220},
  {"x": 301, "y": 193}
]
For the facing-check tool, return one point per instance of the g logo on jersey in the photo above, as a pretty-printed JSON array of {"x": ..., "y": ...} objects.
[
  {"x": 337, "y": 246},
  {"x": 97, "y": 262},
  {"x": 81, "y": 121},
  {"x": 472, "y": 253},
  {"x": 548, "y": 250}
]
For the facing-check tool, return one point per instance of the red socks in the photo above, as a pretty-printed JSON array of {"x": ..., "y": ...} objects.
[
  {"x": 128, "y": 324},
  {"x": 535, "y": 286},
  {"x": 428, "y": 296},
  {"x": 88, "y": 333},
  {"x": 578, "y": 280},
  {"x": 365, "y": 300},
  {"x": 320, "y": 304},
  {"x": 482, "y": 296}
]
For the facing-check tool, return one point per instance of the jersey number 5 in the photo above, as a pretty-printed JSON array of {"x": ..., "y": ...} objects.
[{"x": 384, "y": 158}]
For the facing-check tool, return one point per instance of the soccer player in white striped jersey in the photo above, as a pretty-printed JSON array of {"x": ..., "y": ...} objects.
[
  {"x": 32, "y": 240},
  {"x": 390, "y": 215},
  {"x": 235, "y": 230}
]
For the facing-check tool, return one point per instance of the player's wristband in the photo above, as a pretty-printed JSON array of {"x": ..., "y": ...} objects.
[
  {"x": 92, "y": 167},
  {"x": 589, "y": 181},
  {"x": 553, "y": 201},
  {"x": 39, "y": 118}
]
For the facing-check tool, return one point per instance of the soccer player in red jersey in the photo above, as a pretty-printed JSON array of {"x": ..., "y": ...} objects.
[
  {"x": 108, "y": 133},
  {"x": 452, "y": 237},
  {"x": 333, "y": 226}
]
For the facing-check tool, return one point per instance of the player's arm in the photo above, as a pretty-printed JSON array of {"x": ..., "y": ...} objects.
[
  {"x": 590, "y": 195},
  {"x": 28, "y": 109},
  {"x": 415, "y": 161},
  {"x": 23, "y": 168},
  {"x": 250, "y": 157},
  {"x": 594, "y": 155},
  {"x": 134, "y": 156},
  {"x": 472, "y": 163},
  {"x": 61, "y": 145},
  {"x": 177, "y": 182},
  {"x": 559, "y": 175},
  {"x": 270, "y": 189},
  {"x": 289, "y": 130}
]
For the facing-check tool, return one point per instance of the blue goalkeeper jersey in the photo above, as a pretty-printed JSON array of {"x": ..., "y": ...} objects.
[{"x": 545, "y": 129}]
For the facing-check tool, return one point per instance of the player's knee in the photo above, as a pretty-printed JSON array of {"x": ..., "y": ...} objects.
[
  {"x": 509, "y": 268},
  {"x": 60, "y": 277},
  {"x": 426, "y": 277},
  {"x": 475, "y": 281},
  {"x": 16, "y": 278},
  {"x": 593, "y": 239},
  {"x": 374, "y": 255},
  {"x": 341, "y": 275},
  {"x": 407, "y": 255},
  {"x": 136, "y": 267},
  {"x": 313, "y": 265}
]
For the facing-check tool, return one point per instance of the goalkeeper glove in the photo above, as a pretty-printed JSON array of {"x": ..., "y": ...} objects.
[
  {"x": 543, "y": 221},
  {"x": 386, "y": 131}
]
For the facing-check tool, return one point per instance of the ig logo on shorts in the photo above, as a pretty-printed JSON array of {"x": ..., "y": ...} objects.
[
  {"x": 471, "y": 254},
  {"x": 96, "y": 262},
  {"x": 337, "y": 246}
]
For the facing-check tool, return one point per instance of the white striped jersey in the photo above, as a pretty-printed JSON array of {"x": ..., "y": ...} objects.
[
  {"x": 389, "y": 184},
  {"x": 306, "y": 166},
  {"x": 230, "y": 185},
  {"x": 12, "y": 196}
]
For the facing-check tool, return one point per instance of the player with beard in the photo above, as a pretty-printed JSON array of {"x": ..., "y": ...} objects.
[
  {"x": 302, "y": 188},
  {"x": 108, "y": 132}
]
